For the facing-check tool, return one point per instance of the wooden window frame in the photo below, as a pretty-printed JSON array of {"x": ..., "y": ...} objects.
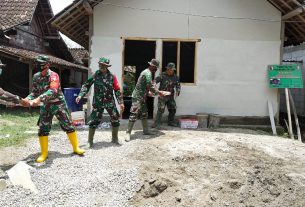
[
  {"x": 178, "y": 57},
  {"x": 161, "y": 61},
  {"x": 123, "y": 53}
]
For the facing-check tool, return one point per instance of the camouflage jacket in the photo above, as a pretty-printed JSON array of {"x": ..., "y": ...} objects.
[
  {"x": 144, "y": 85},
  {"x": 47, "y": 88},
  {"x": 169, "y": 83},
  {"x": 104, "y": 85},
  {"x": 8, "y": 97}
]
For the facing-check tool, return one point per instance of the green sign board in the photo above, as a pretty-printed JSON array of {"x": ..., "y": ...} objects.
[{"x": 285, "y": 76}]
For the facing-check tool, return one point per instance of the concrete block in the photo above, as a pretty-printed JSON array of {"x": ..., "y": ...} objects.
[
  {"x": 20, "y": 175},
  {"x": 2, "y": 184}
]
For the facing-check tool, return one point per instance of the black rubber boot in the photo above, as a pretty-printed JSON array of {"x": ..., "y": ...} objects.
[
  {"x": 157, "y": 122},
  {"x": 90, "y": 137},
  {"x": 115, "y": 138},
  {"x": 129, "y": 129},
  {"x": 171, "y": 118},
  {"x": 145, "y": 127}
]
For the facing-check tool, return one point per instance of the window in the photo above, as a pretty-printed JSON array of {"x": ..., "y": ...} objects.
[{"x": 182, "y": 53}]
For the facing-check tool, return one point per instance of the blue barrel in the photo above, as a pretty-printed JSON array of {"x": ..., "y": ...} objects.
[{"x": 70, "y": 96}]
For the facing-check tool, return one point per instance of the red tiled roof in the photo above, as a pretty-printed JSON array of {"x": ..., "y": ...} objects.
[
  {"x": 16, "y": 12},
  {"x": 30, "y": 56}
]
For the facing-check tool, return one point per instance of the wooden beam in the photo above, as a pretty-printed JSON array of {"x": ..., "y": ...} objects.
[
  {"x": 297, "y": 3},
  {"x": 66, "y": 13},
  {"x": 87, "y": 7},
  {"x": 276, "y": 5},
  {"x": 292, "y": 13},
  {"x": 52, "y": 37},
  {"x": 292, "y": 33},
  {"x": 31, "y": 66},
  {"x": 298, "y": 31}
]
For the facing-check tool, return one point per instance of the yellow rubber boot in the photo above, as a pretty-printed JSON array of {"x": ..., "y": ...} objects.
[
  {"x": 74, "y": 142},
  {"x": 43, "y": 140}
]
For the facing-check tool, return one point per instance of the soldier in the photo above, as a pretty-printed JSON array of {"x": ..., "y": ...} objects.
[
  {"x": 104, "y": 85},
  {"x": 143, "y": 87},
  {"x": 47, "y": 92},
  {"x": 169, "y": 81},
  {"x": 7, "y": 98}
]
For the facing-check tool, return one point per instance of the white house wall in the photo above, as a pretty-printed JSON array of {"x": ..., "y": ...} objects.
[{"x": 239, "y": 38}]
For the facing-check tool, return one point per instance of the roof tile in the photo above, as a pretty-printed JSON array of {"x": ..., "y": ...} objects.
[
  {"x": 15, "y": 12},
  {"x": 30, "y": 55}
]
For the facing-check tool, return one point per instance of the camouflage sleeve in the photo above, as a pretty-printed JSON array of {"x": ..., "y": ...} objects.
[
  {"x": 158, "y": 79},
  {"x": 178, "y": 85},
  {"x": 151, "y": 85},
  {"x": 34, "y": 94},
  {"x": 86, "y": 87},
  {"x": 53, "y": 90},
  {"x": 117, "y": 90},
  {"x": 8, "y": 97}
]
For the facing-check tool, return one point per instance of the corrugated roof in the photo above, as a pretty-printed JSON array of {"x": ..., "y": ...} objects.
[
  {"x": 73, "y": 21},
  {"x": 28, "y": 55},
  {"x": 16, "y": 12}
]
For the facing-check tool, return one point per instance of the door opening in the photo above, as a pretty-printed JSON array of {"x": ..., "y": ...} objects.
[{"x": 137, "y": 53}]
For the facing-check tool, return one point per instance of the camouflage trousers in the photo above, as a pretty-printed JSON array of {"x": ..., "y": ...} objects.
[
  {"x": 47, "y": 113},
  {"x": 138, "y": 110},
  {"x": 97, "y": 115},
  {"x": 166, "y": 101}
]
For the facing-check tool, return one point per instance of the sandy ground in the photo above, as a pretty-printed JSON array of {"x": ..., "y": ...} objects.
[{"x": 227, "y": 167}]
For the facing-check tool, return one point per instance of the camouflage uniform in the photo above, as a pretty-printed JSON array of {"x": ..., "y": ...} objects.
[
  {"x": 103, "y": 98},
  {"x": 143, "y": 86},
  {"x": 168, "y": 83},
  {"x": 138, "y": 108},
  {"x": 48, "y": 89},
  {"x": 8, "y": 98}
]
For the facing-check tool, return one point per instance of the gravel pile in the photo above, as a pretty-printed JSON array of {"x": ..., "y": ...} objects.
[{"x": 97, "y": 179}]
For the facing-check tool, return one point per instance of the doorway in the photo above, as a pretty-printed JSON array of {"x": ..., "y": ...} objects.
[{"x": 136, "y": 55}]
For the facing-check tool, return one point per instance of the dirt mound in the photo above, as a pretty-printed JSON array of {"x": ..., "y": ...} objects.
[{"x": 234, "y": 174}]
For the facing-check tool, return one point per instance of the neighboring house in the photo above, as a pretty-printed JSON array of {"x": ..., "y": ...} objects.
[
  {"x": 80, "y": 57},
  {"x": 221, "y": 48},
  {"x": 24, "y": 34},
  {"x": 295, "y": 55}
]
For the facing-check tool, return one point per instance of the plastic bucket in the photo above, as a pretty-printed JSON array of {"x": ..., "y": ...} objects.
[
  {"x": 78, "y": 118},
  {"x": 70, "y": 96}
]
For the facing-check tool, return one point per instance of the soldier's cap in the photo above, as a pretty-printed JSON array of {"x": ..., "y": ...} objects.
[
  {"x": 104, "y": 61},
  {"x": 42, "y": 59},
  {"x": 171, "y": 66},
  {"x": 1, "y": 64},
  {"x": 154, "y": 62}
]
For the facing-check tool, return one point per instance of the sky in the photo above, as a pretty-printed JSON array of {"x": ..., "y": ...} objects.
[{"x": 57, "y": 6}]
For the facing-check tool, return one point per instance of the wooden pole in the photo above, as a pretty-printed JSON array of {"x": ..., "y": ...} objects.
[
  {"x": 271, "y": 116},
  {"x": 30, "y": 77},
  {"x": 295, "y": 117},
  {"x": 289, "y": 114}
]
